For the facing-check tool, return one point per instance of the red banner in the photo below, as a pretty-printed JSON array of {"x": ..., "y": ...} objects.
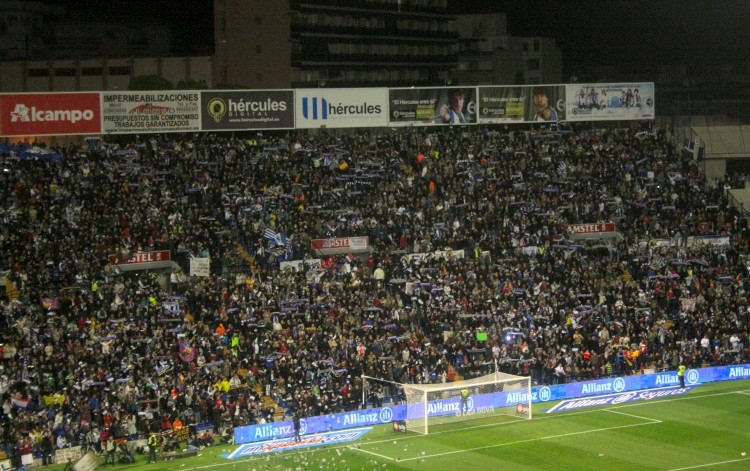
[
  {"x": 42, "y": 114},
  {"x": 592, "y": 228},
  {"x": 340, "y": 244},
  {"x": 141, "y": 257}
]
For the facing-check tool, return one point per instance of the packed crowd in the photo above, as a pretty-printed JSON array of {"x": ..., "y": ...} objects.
[{"x": 468, "y": 234}]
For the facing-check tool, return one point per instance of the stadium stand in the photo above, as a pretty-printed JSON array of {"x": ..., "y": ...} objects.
[{"x": 469, "y": 231}]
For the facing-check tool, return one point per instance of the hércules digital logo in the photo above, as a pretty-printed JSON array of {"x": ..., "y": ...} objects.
[{"x": 50, "y": 113}]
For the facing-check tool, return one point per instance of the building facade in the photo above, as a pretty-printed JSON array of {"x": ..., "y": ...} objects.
[{"x": 489, "y": 55}]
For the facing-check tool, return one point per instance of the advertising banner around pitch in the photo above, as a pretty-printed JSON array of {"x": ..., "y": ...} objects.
[
  {"x": 521, "y": 104},
  {"x": 247, "y": 109},
  {"x": 610, "y": 101},
  {"x": 151, "y": 111},
  {"x": 484, "y": 402},
  {"x": 432, "y": 106},
  {"x": 341, "y": 108},
  {"x": 44, "y": 114}
]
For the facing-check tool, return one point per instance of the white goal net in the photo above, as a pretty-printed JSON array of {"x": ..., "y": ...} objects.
[{"x": 492, "y": 397}]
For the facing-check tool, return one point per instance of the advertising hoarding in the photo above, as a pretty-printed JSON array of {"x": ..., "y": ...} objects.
[
  {"x": 521, "y": 104},
  {"x": 610, "y": 101},
  {"x": 45, "y": 114},
  {"x": 341, "y": 107},
  {"x": 151, "y": 111},
  {"x": 432, "y": 106},
  {"x": 247, "y": 109}
]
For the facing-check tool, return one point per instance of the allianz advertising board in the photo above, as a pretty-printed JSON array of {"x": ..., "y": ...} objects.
[{"x": 485, "y": 403}]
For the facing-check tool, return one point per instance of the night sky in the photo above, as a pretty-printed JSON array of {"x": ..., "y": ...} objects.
[{"x": 637, "y": 34}]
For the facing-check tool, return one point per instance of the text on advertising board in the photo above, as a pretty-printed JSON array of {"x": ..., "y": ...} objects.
[{"x": 49, "y": 113}]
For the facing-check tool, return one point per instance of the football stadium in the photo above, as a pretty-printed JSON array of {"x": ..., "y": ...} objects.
[{"x": 537, "y": 275}]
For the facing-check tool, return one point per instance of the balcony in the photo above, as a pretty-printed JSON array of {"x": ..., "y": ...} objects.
[{"x": 403, "y": 7}]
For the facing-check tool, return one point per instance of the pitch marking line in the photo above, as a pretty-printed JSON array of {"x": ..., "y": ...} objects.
[
  {"x": 656, "y": 421},
  {"x": 517, "y": 442},
  {"x": 710, "y": 464},
  {"x": 371, "y": 453},
  {"x": 682, "y": 398}
]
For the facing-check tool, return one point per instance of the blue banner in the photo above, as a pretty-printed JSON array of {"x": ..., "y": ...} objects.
[
  {"x": 614, "y": 399},
  {"x": 328, "y": 438},
  {"x": 485, "y": 403}
]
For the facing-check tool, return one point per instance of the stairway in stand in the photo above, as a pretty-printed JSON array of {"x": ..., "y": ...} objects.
[{"x": 278, "y": 415}]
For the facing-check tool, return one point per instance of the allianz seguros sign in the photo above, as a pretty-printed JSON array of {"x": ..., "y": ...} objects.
[{"x": 247, "y": 109}]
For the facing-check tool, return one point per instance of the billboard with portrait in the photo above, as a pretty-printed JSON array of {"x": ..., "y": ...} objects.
[
  {"x": 432, "y": 106},
  {"x": 521, "y": 104}
]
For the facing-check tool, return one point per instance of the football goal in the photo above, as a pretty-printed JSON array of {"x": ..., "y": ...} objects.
[{"x": 497, "y": 395}]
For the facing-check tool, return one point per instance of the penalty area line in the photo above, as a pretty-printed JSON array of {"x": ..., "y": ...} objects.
[
  {"x": 371, "y": 453},
  {"x": 710, "y": 464},
  {"x": 656, "y": 421},
  {"x": 530, "y": 440}
]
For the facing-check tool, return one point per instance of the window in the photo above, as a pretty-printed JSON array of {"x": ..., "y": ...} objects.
[
  {"x": 532, "y": 64},
  {"x": 65, "y": 72},
  {"x": 258, "y": 20},
  {"x": 91, "y": 71},
  {"x": 536, "y": 44},
  {"x": 258, "y": 49},
  {"x": 259, "y": 77},
  {"x": 38, "y": 72},
  {"x": 122, "y": 70},
  {"x": 525, "y": 47}
]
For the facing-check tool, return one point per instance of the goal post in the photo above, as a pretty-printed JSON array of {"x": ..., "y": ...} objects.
[{"x": 493, "y": 398}]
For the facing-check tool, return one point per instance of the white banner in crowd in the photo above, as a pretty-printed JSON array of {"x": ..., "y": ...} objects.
[
  {"x": 436, "y": 255},
  {"x": 341, "y": 107},
  {"x": 609, "y": 101},
  {"x": 64, "y": 455},
  {"x": 200, "y": 266},
  {"x": 151, "y": 111},
  {"x": 298, "y": 265}
]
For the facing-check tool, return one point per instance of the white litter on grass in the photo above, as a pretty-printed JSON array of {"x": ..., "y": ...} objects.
[
  {"x": 423, "y": 452},
  {"x": 601, "y": 454},
  {"x": 394, "y": 442},
  {"x": 743, "y": 453}
]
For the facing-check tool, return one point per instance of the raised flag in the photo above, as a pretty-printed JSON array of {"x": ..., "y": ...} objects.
[
  {"x": 20, "y": 403},
  {"x": 51, "y": 304},
  {"x": 187, "y": 353},
  {"x": 269, "y": 234}
]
